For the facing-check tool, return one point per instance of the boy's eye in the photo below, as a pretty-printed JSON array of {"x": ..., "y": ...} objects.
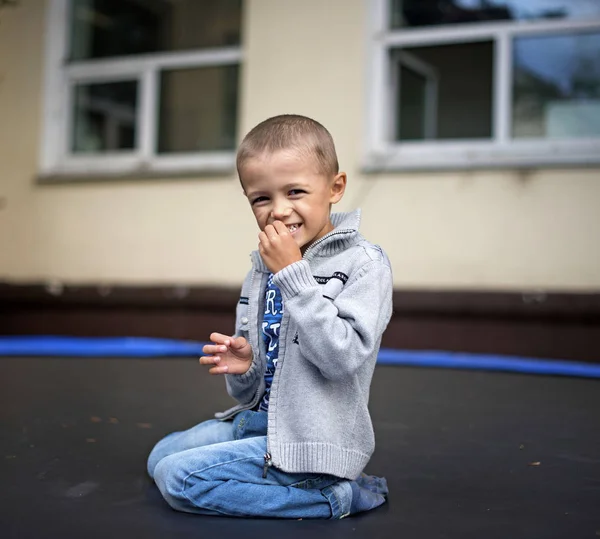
[
  {"x": 258, "y": 200},
  {"x": 297, "y": 192}
]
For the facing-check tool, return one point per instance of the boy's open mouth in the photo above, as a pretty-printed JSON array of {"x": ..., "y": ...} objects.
[{"x": 293, "y": 228}]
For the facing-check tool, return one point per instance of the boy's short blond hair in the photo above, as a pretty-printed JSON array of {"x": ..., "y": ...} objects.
[{"x": 291, "y": 132}]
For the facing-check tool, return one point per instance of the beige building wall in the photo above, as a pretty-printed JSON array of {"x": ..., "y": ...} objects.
[{"x": 476, "y": 230}]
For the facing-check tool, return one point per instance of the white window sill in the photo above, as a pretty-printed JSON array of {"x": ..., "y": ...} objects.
[
  {"x": 118, "y": 166},
  {"x": 419, "y": 156}
]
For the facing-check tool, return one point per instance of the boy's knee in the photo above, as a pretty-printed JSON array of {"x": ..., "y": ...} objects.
[
  {"x": 169, "y": 481},
  {"x": 159, "y": 451},
  {"x": 154, "y": 458}
]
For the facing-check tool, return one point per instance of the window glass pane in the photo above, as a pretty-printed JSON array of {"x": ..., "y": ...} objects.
[
  {"x": 411, "y": 107},
  {"x": 104, "y": 117},
  {"x": 104, "y": 28},
  {"x": 556, "y": 88},
  {"x": 435, "y": 12},
  {"x": 198, "y": 109},
  {"x": 460, "y": 101}
]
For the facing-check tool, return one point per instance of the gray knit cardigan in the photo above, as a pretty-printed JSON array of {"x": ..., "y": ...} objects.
[{"x": 337, "y": 303}]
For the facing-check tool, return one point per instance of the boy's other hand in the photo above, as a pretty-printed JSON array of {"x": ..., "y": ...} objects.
[
  {"x": 278, "y": 247},
  {"x": 228, "y": 355}
]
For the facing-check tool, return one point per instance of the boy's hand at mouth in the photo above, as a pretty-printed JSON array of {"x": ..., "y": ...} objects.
[{"x": 278, "y": 247}]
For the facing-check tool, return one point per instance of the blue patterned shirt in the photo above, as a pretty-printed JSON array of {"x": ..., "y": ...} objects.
[{"x": 270, "y": 330}]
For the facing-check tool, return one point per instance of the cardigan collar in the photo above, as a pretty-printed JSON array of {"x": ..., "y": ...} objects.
[{"x": 344, "y": 235}]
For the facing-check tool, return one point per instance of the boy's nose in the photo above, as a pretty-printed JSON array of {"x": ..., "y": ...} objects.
[{"x": 281, "y": 211}]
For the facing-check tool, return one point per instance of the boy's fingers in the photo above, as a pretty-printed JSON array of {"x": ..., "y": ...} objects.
[
  {"x": 219, "y": 338},
  {"x": 218, "y": 370},
  {"x": 210, "y": 360},
  {"x": 271, "y": 232},
  {"x": 262, "y": 237},
  {"x": 210, "y": 349},
  {"x": 281, "y": 229}
]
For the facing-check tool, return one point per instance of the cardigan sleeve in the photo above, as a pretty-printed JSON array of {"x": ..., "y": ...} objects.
[{"x": 339, "y": 336}]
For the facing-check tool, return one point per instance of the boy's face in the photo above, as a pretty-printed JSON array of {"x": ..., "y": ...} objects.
[{"x": 287, "y": 187}]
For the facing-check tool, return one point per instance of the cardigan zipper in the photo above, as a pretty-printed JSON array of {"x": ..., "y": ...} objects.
[
  {"x": 327, "y": 236},
  {"x": 268, "y": 457}
]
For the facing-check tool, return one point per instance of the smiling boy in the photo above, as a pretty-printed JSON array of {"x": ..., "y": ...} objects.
[{"x": 308, "y": 329}]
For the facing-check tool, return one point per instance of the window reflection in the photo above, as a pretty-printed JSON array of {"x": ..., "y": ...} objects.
[
  {"x": 556, "y": 89},
  {"x": 198, "y": 109},
  {"x": 104, "y": 117},
  {"x": 445, "y": 92},
  {"x": 105, "y": 28},
  {"x": 436, "y": 12},
  {"x": 412, "y": 106}
]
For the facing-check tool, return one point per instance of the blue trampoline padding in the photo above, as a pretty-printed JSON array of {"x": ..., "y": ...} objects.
[
  {"x": 41, "y": 345},
  {"x": 53, "y": 346},
  {"x": 485, "y": 362}
]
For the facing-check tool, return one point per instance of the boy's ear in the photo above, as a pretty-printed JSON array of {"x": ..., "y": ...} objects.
[{"x": 338, "y": 187}]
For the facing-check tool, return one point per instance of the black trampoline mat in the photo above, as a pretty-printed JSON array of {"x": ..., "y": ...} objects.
[{"x": 466, "y": 454}]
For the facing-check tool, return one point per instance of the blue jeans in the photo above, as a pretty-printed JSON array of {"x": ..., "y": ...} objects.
[{"x": 217, "y": 468}]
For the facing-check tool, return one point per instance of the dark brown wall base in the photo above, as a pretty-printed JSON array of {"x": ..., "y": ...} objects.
[{"x": 565, "y": 326}]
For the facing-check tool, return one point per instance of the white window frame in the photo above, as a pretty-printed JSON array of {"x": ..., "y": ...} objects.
[
  {"x": 56, "y": 159},
  {"x": 501, "y": 150}
]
